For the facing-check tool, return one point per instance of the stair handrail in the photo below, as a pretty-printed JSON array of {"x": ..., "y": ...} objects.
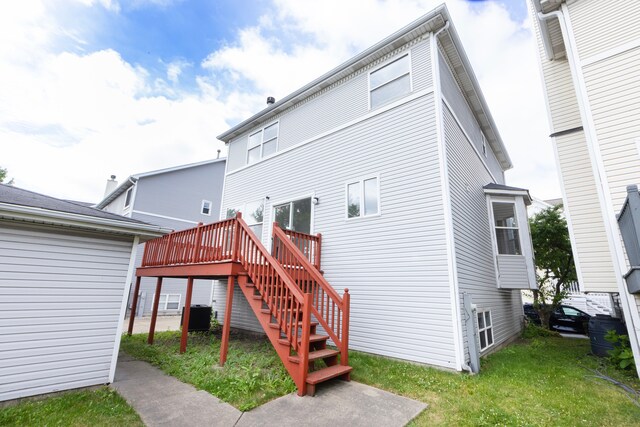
[
  {"x": 256, "y": 270},
  {"x": 340, "y": 337}
]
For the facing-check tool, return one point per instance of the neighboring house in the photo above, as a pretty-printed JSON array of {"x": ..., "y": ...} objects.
[
  {"x": 178, "y": 198},
  {"x": 65, "y": 271},
  {"x": 395, "y": 158},
  {"x": 590, "y": 56}
]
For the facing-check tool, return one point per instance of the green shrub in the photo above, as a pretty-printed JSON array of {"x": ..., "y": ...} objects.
[
  {"x": 531, "y": 330},
  {"x": 621, "y": 356}
]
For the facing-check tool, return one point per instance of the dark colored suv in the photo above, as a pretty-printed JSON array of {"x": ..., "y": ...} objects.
[{"x": 564, "y": 319}]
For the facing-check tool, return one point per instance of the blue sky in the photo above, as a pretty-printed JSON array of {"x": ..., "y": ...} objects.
[{"x": 120, "y": 87}]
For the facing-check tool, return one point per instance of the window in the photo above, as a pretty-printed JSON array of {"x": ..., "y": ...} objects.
[
  {"x": 206, "y": 207},
  {"x": 262, "y": 143},
  {"x": 294, "y": 215},
  {"x": 363, "y": 198},
  {"x": 506, "y": 228},
  {"x": 252, "y": 213},
  {"x": 390, "y": 82},
  {"x": 485, "y": 330},
  {"x": 169, "y": 302},
  {"x": 127, "y": 197}
]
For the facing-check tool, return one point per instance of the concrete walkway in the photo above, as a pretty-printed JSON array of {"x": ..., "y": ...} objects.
[
  {"x": 163, "y": 323},
  {"x": 162, "y": 400}
]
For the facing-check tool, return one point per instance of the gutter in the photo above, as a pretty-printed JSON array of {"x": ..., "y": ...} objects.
[{"x": 32, "y": 214}]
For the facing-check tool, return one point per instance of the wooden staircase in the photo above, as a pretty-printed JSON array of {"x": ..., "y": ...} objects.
[
  {"x": 291, "y": 299},
  {"x": 298, "y": 310}
]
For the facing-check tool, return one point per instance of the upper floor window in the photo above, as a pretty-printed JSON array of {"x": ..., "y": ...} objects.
[
  {"x": 390, "y": 82},
  {"x": 506, "y": 228},
  {"x": 127, "y": 197},
  {"x": 262, "y": 143},
  {"x": 363, "y": 198},
  {"x": 206, "y": 207}
]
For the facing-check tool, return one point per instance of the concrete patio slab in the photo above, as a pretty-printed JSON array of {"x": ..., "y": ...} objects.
[
  {"x": 335, "y": 404},
  {"x": 162, "y": 400}
]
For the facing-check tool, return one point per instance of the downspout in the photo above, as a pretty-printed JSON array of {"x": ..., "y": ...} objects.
[
  {"x": 601, "y": 183},
  {"x": 455, "y": 294}
]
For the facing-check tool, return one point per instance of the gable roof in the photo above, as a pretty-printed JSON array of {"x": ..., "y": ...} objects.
[
  {"x": 21, "y": 204},
  {"x": 131, "y": 180},
  {"x": 499, "y": 189},
  {"x": 430, "y": 22}
]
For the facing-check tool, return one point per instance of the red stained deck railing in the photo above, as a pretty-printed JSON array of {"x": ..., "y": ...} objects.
[
  {"x": 308, "y": 244},
  {"x": 331, "y": 311}
]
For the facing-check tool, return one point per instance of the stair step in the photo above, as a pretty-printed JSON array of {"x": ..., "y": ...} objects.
[
  {"x": 312, "y": 338},
  {"x": 325, "y": 374},
  {"x": 315, "y": 355},
  {"x": 268, "y": 311},
  {"x": 276, "y": 326}
]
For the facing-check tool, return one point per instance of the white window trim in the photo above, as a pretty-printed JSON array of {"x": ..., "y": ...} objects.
[
  {"x": 262, "y": 142},
  {"x": 492, "y": 223},
  {"x": 485, "y": 329},
  {"x": 166, "y": 302},
  {"x": 272, "y": 213},
  {"x": 360, "y": 181},
  {"x": 406, "y": 53},
  {"x": 202, "y": 207}
]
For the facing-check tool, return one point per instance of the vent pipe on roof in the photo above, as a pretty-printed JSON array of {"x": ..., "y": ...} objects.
[
  {"x": 271, "y": 100},
  {"x": 218, "y": 154},
  {"x": 112, "y": 184}
]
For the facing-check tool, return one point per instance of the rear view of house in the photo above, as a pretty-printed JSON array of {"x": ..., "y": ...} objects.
[
  {"x": 395, "y": 159},
  {"x": 179, "y": 197}
]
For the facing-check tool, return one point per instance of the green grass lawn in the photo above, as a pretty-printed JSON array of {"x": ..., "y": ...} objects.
[
  {"x": 101, "y": 407},
  {"x": 253, "y": 374},
  {"x": 538, "y": 382},
  {"x": 542, "y": 381}
]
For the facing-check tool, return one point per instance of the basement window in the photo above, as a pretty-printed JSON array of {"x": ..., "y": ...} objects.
[
  {"x": 485, "y": 330},
  {"x": 390, "y": 81},
  {"x": 169, "y": 302}
]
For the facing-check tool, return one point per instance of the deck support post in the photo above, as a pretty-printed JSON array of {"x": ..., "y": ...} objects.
[
  {"x": 185, "y": 316},
  {"x": 346, "y": 308},
  {"x": 303, "y": 350},
  {"x": 226, "y": 327},
  {"x": 134, "y": 305},
  {"x": 154, "y": 311}
]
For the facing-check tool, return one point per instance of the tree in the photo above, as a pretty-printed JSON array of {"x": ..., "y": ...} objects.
[
  {"x": 554, "y": 261},
  {"x": 3, "y": 176}
]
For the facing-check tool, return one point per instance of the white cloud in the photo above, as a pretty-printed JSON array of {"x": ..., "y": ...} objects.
[{"x": 69, "y": 120}]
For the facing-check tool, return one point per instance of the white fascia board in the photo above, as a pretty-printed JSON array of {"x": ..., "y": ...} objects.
[
  {"x": 177, "y": 168},
  {"x": 524, "y": 194},
  {"x": 32, "y": 214}
]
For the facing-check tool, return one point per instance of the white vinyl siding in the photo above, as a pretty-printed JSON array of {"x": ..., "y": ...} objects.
[
  {"x": 340, "y": 104},
  {"x": 395, "y": 265},
  {"x": 476, "y": 268},
  {"x": 60, "y": 300},
  {"x": 590, "y": 243},
  {"x": 613, "y": 88},
  {"x": 618, "y": 20}
]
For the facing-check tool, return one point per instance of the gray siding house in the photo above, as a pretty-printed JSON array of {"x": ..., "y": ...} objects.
[
  {"x": 65, "y": 271},
  {"x": 394, "y": 157},
  {"x": 177, "y": 198}
]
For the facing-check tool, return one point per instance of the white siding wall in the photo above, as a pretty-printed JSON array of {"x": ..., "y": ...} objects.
[
  {"x": 616, "y": 21},
  {"x": 345, "y": 101},
  {"x": 60, "y": 300},
  {"x": 613, "y": 88},
  {"x": 472, "y": 236},
  {"x": 589, "y": 239},
  {"x": 394, "y": 264}
]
